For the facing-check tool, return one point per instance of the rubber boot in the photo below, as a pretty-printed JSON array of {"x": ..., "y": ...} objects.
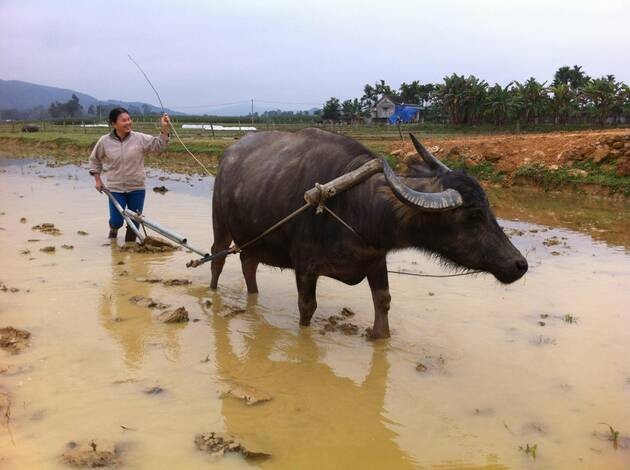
[
  {"x": 113, "y": 233},
  {"x": 130, "y": 235}
]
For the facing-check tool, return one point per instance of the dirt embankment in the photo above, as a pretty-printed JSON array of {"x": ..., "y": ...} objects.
[
  {"x": 587, "y": 161},
  {"x": 598, "y": 161}
]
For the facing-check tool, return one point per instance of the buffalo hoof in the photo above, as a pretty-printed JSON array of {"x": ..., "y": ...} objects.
[{"x": 374, "y": 335}]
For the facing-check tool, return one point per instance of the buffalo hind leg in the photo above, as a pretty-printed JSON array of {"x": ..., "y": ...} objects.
[
  {"x": 249, "y": 265},
  {"x": 307, "y": 303},
  {"x": 379, "y": 284},
  {"x": 221, "y": 242}
]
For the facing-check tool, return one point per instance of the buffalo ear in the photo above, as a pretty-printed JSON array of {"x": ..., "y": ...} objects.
[{"x": 419, "y": 170}]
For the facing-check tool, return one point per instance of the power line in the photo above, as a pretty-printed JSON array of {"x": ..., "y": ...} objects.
[{"x": 248, "y": 101}]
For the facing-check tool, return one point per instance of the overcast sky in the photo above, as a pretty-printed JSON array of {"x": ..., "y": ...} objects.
[{"x": 213, "y": 52}]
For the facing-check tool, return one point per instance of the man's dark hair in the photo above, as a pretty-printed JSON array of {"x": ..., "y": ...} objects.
[{"x": 114, "y": 113}]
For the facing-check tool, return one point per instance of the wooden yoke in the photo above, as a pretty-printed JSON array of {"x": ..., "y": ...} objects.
[{"x": 317, "y": 196}]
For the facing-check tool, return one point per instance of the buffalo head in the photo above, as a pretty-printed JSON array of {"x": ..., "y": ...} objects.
[{"x": 447, "y": 213}]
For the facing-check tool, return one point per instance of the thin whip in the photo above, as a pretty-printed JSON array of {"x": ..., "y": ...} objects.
[{"x": 164, "y": 112}]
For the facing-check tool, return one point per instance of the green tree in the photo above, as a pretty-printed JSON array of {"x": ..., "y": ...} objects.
[
  {"x": 500, "y": 104},
  {"x": 574, "y": 77},
  {"x": 351, "y": 111},
  {"x": 331, "y": 110},
  {"x": 602, "y": 95},
  {"x": 563, "y": 102},
  {"x": 533, "y": 100},
  {"x": 462, "y": 98}
]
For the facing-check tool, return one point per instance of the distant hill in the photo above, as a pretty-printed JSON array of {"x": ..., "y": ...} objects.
[{"x": 23, "y": 96}]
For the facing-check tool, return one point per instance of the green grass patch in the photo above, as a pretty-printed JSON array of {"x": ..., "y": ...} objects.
[
  {"x": 484, "y": 171},
  {"x": 604, "y": 176}
]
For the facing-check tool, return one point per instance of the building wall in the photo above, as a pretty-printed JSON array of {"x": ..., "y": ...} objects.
[{"x": 384, "y": 109}]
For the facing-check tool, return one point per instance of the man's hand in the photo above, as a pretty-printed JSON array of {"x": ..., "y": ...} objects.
[{"x": 165, "y": 121}]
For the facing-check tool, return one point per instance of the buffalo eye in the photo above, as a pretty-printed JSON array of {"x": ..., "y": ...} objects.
[{"x": 476, "y": 215}]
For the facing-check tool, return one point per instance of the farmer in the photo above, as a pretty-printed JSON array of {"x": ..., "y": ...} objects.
[{"x": 120, "y": 154}]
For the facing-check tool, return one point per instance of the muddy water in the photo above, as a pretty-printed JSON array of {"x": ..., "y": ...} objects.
[{"x": 494, "y": 378}]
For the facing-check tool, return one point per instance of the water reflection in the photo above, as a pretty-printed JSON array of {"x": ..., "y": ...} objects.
[
  {"x": 316, "y": 415},
  {"x": 132, "y": 326},
  {"x": 605, "y": 220}
]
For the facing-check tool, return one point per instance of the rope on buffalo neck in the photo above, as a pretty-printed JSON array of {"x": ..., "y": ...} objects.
[
  {"x": 169, "y": 122},
  {"x": 434, "y": 275}
]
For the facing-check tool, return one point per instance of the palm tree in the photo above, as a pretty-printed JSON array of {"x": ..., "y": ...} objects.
[
  {"x": 562, "y": 102},
  {"x": 602, "y": 95},
  {"x": 534, "y": 99},
  {"x": 351, "y": 111},
  {"x": 499, "y": 105},
  {"x": 462, "y": 98}
]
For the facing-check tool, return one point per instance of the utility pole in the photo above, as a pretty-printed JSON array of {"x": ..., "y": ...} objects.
[{"x": 252, "y": 111}]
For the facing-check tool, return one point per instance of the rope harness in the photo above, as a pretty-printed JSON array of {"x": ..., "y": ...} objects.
[{"x": 315, "y": 197}]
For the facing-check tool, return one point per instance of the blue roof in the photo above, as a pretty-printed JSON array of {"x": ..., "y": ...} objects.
[{"x": 404, "y": 113}]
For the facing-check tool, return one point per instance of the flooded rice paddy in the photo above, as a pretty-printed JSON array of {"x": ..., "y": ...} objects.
[{"x": 476, "y": 374}]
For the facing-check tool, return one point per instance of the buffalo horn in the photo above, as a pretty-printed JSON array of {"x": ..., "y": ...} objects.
[
  {"x": 428, "y": 157},
  {"x": 442, "y": 201}
]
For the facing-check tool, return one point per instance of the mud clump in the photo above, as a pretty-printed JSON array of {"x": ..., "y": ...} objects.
[
  {"x": 165, "y": 282},
  {"x": 12, "y": 369},
  {"x": 149, "y": 280},
  {"x": 82, "y": 232},
  {"x": 91, "y": 454},
  {"x": 179, "y": 315},
  {"x": 14, "y": 340},
  {"x": 421, "y": 367},
  {"x": 250, "y": 395},
  {"x": 48, "y": 249},
  {"x": 229, "y": 312},
  {"x": 147, "y": 302},
  {"x": 176, "y": 282},
  {"x": 150, "y": 245},
  {"x": 153, "y": 390},
  {"x": 338, "y": 323},
  {"x": 217, "y": 444},
  {"x": 47, "y": 228},
  {"x": 5, "y": 288},
  {"x": 160, "y": 189},
  {"x": 23, "y": 220},
  {"x": 67, "y": 247}
]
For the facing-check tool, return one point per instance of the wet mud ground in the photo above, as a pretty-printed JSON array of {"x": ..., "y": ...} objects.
[{"x": 476, "y": 374}]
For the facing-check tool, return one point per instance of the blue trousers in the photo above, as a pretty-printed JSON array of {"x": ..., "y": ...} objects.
[{"x": 133, "y": 200}]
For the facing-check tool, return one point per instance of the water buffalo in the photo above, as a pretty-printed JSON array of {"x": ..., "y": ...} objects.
[
  {"x": 264, "y": 176},
  {"x": 30, "y": 128}
]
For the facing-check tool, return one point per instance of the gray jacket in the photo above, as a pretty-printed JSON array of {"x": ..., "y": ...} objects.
[{"x": 122, "y": 161}]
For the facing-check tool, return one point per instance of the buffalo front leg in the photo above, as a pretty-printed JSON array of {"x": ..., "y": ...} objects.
[
  {"x": 249, "y": 266},
  {"x": 379, "y": 284},
  {"x": 307, "y": 303}
]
